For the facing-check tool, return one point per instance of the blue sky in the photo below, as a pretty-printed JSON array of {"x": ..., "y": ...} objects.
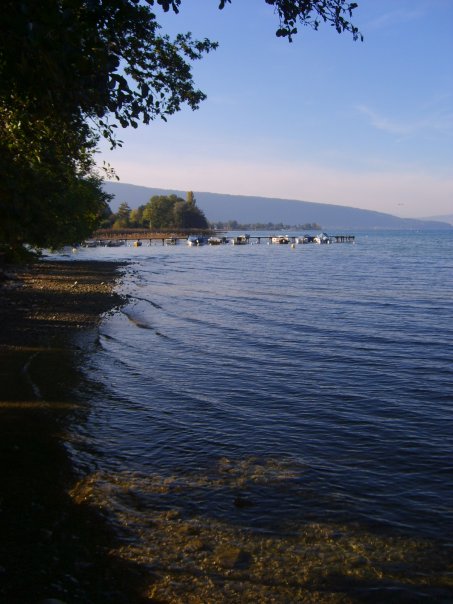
[{"x": 324, "y": 119}]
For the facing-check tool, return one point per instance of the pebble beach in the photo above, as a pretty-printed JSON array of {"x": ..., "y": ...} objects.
[{"x": 52, "y": 549}]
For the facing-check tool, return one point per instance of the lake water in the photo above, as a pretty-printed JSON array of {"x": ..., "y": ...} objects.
[{"x": 268, "y": 424}]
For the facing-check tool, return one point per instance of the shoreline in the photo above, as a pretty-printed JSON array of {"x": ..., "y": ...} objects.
[
  {"x": 38, "y": 298},
  {"x": 51, "y": 547}
]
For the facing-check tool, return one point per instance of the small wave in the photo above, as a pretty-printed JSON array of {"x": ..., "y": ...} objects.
[
  {"x": 137, "y": 322},
  {"x": 153, "y": 304},
  {"x": 26, "y": 373}
]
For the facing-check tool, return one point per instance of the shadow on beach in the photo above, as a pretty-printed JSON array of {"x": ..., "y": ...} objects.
[{"x": 51, "y": 547}]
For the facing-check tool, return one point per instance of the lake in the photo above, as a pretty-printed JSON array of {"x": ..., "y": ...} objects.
[{"x": 274, "y": 424}]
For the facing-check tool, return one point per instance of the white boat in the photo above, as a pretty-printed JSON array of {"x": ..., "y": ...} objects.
[
  {"x": 322, "y": 238},
  {"x": 170, "y": 241},
  {"x": 217, "y": 240},
  {"x": 280, "y": 239},
  {"x": 240, "y": 240},
  {"x": 195, "y": 241}
]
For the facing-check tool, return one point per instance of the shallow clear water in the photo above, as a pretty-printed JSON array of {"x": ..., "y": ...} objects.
[{"x": 263, "y": 392}]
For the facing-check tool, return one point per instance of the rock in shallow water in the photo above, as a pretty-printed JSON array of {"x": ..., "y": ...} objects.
[{"x": 232, "y": 557}]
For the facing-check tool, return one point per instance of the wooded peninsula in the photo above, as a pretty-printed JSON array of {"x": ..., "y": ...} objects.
[{"x": 167, "y": 212}]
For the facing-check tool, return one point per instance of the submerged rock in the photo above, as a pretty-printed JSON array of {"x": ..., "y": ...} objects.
[{"x": 232, "y": 557}]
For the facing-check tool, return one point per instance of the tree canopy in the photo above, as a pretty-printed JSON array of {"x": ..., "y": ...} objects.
[
  {"x": 72, "y": 71},
  {"x": 161, "y": 212}
]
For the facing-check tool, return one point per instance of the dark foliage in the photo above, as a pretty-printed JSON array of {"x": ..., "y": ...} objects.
[{"x": 72, "y": 71}]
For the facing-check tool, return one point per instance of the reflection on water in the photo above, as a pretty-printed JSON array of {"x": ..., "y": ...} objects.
[{"x": 200, "y": 558}]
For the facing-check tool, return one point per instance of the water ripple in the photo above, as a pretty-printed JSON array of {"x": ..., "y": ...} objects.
[{"x": 333, "y": 365}]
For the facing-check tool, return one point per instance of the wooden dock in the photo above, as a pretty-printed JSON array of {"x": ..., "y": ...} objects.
[{"x": 110, "y": 237}]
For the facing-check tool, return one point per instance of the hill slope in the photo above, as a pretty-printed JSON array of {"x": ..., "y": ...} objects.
[
  {"x": 444, "y": 218},
  {"x": 249, "y": 209}
]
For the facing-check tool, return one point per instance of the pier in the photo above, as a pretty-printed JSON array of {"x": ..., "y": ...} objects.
[{"x": 113, "y": 238}]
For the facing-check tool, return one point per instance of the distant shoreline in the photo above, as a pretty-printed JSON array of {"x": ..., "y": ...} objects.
[{"x": 223, "y": 207}]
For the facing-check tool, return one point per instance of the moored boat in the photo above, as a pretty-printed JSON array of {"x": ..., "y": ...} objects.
[
  {"x": 240, "y": 240},
  {"x": 322, "y": 238},
  {"x": 280, "y": 239},
  {"x": 217, "y": 240},
  {"x": 195, "y": 241}
]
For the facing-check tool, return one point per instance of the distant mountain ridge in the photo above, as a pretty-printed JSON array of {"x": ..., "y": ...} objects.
[
  {"x": 251, "y": 209},
  {"x": 444, "y": 218}
]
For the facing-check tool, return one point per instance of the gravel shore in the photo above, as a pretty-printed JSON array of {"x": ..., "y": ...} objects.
[
  {"x": 51, "y": 547},
  {"x": 46, "y": 297}
]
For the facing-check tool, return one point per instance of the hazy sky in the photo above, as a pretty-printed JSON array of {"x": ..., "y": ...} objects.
[{"x": 324, "y": 119}]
